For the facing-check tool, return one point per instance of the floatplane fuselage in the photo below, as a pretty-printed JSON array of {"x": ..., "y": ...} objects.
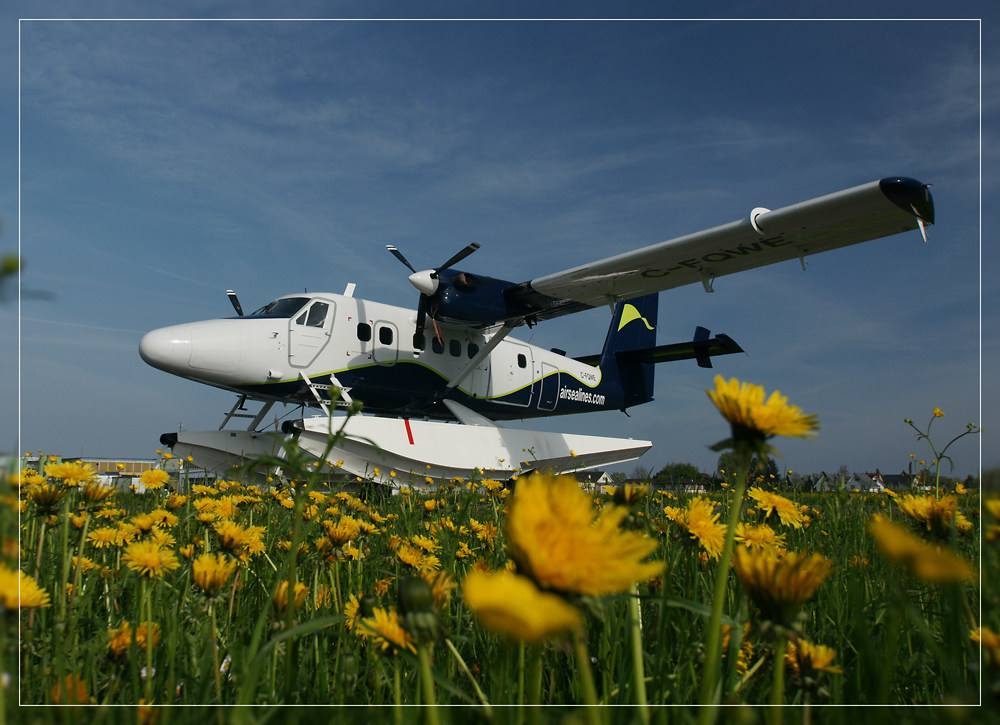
[{"x": 452, "y": 358}]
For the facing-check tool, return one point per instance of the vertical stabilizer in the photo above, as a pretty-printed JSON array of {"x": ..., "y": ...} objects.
[{"x": 633, "y": 327}]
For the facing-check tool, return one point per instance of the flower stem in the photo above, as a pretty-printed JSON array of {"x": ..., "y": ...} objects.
[
  {"x": 706, "y": 696},
  {"x": 587, "y": 688},
  {"x": 215, "y": 653},
  {"x": 427, "y": 681},
  {"x": 535, "y": 674},
  {"x": 638, "y": 668},
  {"x": 778, "y": 683}
]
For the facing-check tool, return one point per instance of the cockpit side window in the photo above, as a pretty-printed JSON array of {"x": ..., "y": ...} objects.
[
  {"x": 285, "y": 307},
  {"x": 317, "y": 314}
]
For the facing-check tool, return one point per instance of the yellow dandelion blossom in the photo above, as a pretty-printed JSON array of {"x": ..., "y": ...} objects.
[
  {"x": 746, "y": 648},
  {"x": 71, "y": 474},
  {"x": 753, "y": 419},
  {"x": 120, "y": 640},
  {"x": 149, "y": 559},
  {"x": 425, "y": 542},
  {"x": 759, "y": 537},
  {"x": 788, "y": 511},
  {"x": 409, "y": 555},
  {"x": 778, "y": 584},
  {"x": 555, "y": 538},
  {"x": 72, "y": 690},
  {"x": 202, "y": 490},
  {"x": 301, "y": 591},
  {"x": 382, "y": 586},
  {"x": 512, "y": 605},
  {"x": 933, "y": 563},
  {"x": 934, "y": 515},
  {"x": 164, "y": 518},
  {"x": 441, "y": 583},
  {"x": 176, "y": 500},
  {"x": 143, "y": 522},
  {"x": 701, "y": 523},
  {"x": 95, "y": 492},
  {"x": 18, "y": 590},
  {"x": 351, "y": 609},
  {"x": 803, "y": 659},
  {"x": 989, "y": 641},
  {"x": 346, "y": 529},
  {"x": 212, "y": 572},
  {"x": 154, "y": 479},
  {"x": 45, "y": 496},
  {"x": 385, "y": 630}
]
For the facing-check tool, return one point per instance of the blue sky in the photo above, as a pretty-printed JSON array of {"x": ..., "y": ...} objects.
[{"x": 163, "y": 162}]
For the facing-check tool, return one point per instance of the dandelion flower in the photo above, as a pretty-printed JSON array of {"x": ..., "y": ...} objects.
[
  {"x": 385, "y": 630},
  {"x": 753, "y": 420},
  {"x": 18, "y": 590},
  {"x": 512, "y": 605},
  {"x": 927, "y": 561},
  {"x": 150, "y": 559},
  {"x": 212, "y": 572},
  {"x": 778, "y": 584},
  {"x": 72, "y": 690},
  {"x": 555, "y": 538},
  {"x": 701, "y": 523},
  {"x": 154, "y": 479},
  {"x": 759, "y": 537},
  {"x": 788, "y": 511},
  {"x": 989, "y": 641},
  {"x": 934, "y": 515},
  {"x": 120, "y": 641},
  {"x": 300, "y": 593},
  {"x": 95, "y": 492},
  {"x": 805, "y": 660},
  {"x": 46, "y": 496},
  {"x": 71, "y": 474}
]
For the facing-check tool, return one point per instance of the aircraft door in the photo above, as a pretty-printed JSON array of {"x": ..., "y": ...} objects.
[
  {"x": 386, "y": 343},
  {"x": 309, "y": 332},
  {"x": 550, "y": 387},
  {"x": 513, "y": 379}
]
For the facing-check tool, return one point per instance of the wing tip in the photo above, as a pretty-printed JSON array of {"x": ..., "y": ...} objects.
[{"x": 910, "y": 195}]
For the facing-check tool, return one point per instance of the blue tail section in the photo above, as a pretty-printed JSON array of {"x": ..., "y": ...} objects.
[{"x": 633, "y": 327}]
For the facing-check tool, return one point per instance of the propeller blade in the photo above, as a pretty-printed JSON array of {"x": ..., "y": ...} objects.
[
  {"x": 399, "y": 255},
  {"x": 460, "y": 256},
  {"x": 421, "y": 313},
  {"x": 235, "y": 301}
]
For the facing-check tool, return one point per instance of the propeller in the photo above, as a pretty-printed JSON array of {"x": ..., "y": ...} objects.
[{"x": 426, "y": 281}]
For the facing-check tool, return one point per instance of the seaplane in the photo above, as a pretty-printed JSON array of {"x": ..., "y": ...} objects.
[{"x": 435, "y": 385}]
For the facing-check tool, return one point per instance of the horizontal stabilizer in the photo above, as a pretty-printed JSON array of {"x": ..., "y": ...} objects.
[{"x": 701, "y": 348}]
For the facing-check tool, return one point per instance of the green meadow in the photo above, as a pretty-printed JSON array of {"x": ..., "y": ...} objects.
[{"x": 184, "y": 598}]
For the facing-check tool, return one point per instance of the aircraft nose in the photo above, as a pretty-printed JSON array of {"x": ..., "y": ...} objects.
[{"x": 167, "y": 349}]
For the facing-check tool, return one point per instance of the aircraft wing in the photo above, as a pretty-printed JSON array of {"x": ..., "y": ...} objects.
[{"x": 878, "y": 209}]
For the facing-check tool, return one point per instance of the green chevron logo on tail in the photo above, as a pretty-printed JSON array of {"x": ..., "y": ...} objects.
[{"x": 631, "y": 313}]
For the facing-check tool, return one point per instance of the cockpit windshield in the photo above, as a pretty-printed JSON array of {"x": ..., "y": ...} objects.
[{"x": 285, "y": 307}]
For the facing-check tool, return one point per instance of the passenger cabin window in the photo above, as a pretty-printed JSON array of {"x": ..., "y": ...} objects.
[
  {"x": 437, "y": 346},
  {"x": 385, "y": 335},
  {"x": 473, "y": 350},
  {"x": 364, "y": 331},
  {"x": 455, "y": 348},
  {"x": 522, "y": 361}
]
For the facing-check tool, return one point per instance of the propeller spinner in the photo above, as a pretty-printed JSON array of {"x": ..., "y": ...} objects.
[{"x": 426, "y": 281}]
